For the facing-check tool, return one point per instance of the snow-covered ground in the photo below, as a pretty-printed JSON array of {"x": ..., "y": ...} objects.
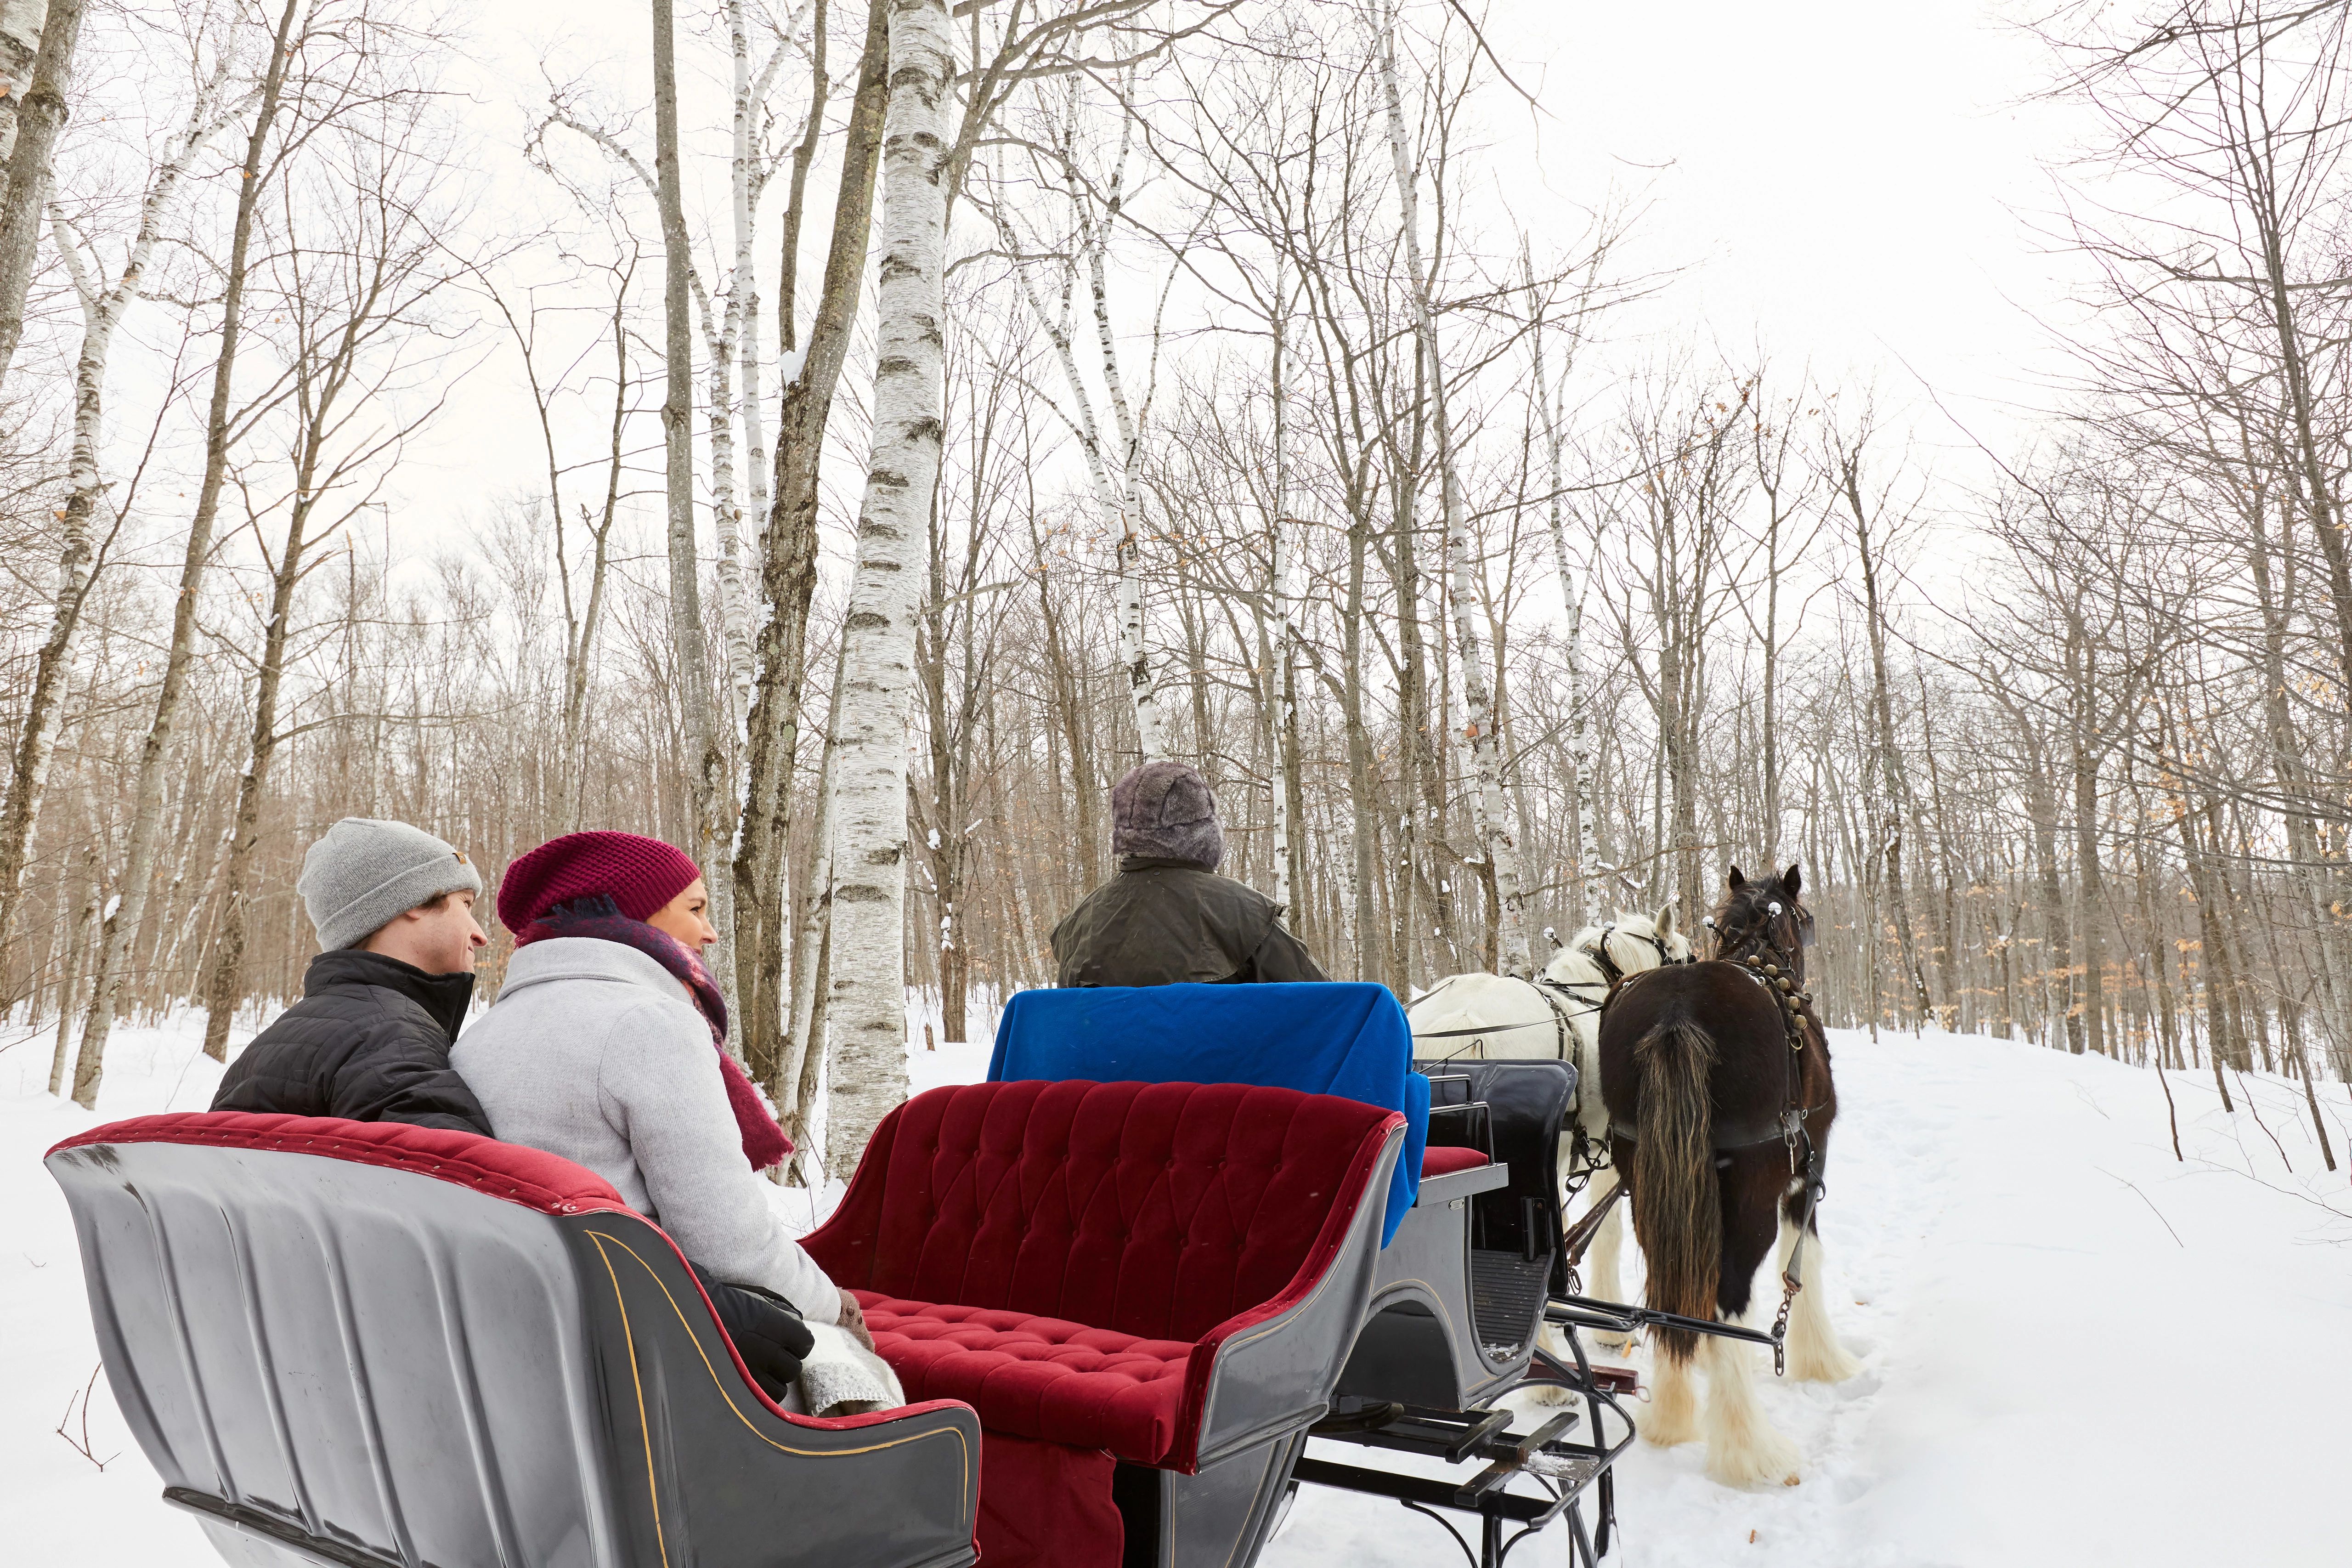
[{"x": 2077, "y": 1350}]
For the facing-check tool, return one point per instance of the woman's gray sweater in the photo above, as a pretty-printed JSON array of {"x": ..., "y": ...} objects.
[{"x": 593, "y": 1052}]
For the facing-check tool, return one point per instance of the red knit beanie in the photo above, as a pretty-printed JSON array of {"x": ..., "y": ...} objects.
[{"x": 640, "y": 875}]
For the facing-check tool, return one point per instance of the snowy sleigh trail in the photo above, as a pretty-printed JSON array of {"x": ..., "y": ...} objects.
[{"x": 2077, "y": 1351}]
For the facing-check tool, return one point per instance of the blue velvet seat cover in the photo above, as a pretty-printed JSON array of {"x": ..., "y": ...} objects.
[{"x": 1346, "y": 1040}]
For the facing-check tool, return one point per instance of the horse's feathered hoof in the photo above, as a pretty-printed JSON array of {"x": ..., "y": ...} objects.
[
  {"x": 1829, "y": 1362},
  {"x": 1760, "y": 1457},
  {"x": 1672, "y": 1416}
]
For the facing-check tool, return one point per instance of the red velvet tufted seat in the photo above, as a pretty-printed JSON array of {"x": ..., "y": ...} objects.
[
  {"x": 1147, "y": 1268},
  {"x": 1438, "y": 1159}
]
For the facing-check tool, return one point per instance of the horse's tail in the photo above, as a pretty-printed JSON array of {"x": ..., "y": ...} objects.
[{"x": 1677, "y": 1206}]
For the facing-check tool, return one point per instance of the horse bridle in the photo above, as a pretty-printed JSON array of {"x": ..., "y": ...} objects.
[{"x": 1613, "y": 973}]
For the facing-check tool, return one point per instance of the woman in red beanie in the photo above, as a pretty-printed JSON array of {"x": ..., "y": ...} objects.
[{"x": 608, "y": 1046}]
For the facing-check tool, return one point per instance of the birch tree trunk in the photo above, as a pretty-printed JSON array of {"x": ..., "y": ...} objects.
[
  {"x": 103, "y": 307},
  {"x": 580, "y": 630},
  {"x": 40, "y": 115},
  {"x": 1134, "y": 655},
  {"x": 223, "y": 987},
  {"x": 20, "y": 45},
  {"x": 1585, "y": 903},
  {"x": 789, "y": 551},
  {"x": 687, "y": 638},
  {"x": 1112, "y": 471},
  {"x": 78, "y": 937},
  {"x": 147, "y": 799},
  {"x": 1480, "y": 732},
  {"x": 802, "y": 1057},
  {"x": 867, "y": 994},
  {"x": 1893, "y": 787}
]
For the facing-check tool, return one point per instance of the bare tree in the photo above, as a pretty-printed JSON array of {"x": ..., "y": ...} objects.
[
  {"x": 104, "y": 303},
  {"x": 352, "y": 278},
  {"x": 262, "y": 164},
  {"x": 1496, "y": 845}
]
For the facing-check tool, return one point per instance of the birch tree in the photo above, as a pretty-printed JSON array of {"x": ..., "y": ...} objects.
[
  {"x": 1288, "y": 800},
  {"x": 769, "y": 913},
  {"x": 1112, "y": 464},
  {"x": 104, "y": 303},
  {"x": 868, "y": 1008},
  {"x": 1586, "y": 904},
  {"x": 40, "y": 115},
  {"x": 1480, "y": 733}
]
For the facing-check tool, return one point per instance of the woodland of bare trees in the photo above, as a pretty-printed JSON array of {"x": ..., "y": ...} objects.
[{"x": 936, "y": 411}]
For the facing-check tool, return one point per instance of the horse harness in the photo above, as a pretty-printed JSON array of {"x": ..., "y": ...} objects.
[
  {"x": 1777, "y": 975},
  {"x": 1583, "y": 1158},
  {"x": 1613, "y": 975}
]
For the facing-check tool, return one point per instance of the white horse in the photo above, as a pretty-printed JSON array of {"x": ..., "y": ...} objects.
[{"x": 1490, "y": 1017}]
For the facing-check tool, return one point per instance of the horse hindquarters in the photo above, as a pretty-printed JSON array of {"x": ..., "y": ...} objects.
[{"x": 1677, "y": 1213}]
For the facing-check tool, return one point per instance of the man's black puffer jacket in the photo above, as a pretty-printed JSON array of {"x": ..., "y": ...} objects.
[{"x": 369, "y": 1041}]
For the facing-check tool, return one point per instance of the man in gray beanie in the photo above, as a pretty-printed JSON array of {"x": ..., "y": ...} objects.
[
  {"x": 1168, "y": 918},
  {"x": 369, "y": 1041}
]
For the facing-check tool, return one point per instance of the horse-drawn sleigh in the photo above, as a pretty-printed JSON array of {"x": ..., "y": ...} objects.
[{"x": 1179, "y": 1235}]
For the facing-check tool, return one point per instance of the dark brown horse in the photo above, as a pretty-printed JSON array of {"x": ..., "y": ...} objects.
[{"x": 1719, "y": 1095}]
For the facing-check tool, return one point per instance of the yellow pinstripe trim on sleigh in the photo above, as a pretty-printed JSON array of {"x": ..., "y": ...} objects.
[{"x": 600, "y": 1237}]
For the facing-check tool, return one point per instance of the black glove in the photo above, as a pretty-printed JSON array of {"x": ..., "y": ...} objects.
[{"x": 767, "y": 1331}]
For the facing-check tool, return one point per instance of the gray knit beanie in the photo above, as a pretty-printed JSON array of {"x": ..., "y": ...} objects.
[
  {"x": 366, "y": 873},
  {"x": 1164, "y": 810}
]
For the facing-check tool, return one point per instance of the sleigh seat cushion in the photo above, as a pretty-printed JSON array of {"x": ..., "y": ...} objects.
[
  {"x": 1442, "y": 1162},
  {"x": 1035, "y": 1376}
]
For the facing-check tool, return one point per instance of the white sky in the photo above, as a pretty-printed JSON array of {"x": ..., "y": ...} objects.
[
  {"x": 1851, "y": 181},
  {"x": 1848, "y": 182}
]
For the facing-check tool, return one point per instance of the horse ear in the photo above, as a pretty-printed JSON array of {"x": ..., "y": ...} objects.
[
  {"x": 1735, "y": 882},
  {"x": 1793, "y": 879},
  {"x": 1662, "y": 922}
]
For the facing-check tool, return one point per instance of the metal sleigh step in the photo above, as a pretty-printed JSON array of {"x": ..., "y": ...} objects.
[
  {"x": 1561, "y": 1465},
  {"x": 1561, "y": 1468}
]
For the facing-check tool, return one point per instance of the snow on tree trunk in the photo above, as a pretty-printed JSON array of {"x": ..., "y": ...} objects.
[
  {"x": 867, "y": 1004},
  {"x": 1485, "y": 742}
]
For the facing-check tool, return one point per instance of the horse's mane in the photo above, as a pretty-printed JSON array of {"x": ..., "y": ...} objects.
[{"x": 1574, "y": 965}]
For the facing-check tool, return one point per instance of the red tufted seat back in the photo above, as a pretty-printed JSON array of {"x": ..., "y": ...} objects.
[{"x": 1159, "y": 1210}]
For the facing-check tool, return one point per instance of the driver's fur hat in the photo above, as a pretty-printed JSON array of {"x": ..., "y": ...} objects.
[{"x": 1164, "y": 811}]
